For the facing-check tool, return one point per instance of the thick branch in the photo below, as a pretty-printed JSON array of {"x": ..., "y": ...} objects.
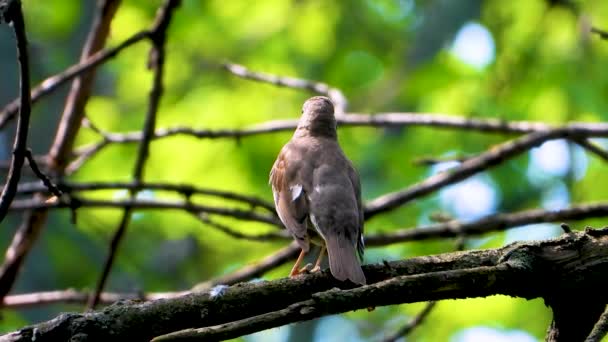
[{"x": 528, "y": 270}]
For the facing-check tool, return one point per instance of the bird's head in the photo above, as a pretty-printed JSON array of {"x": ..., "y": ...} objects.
[{"x": 317, "y": 118}]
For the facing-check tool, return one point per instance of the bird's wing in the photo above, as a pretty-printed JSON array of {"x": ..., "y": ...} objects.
[
  {"x": 353, "y": 175},
  {"x": 289, "y": 194}
]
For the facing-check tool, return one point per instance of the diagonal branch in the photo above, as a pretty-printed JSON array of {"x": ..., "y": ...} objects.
[
  {"x": 415, "y": 322},
  {"x": 337, "y": 97},
  {"x": 469, "y": 167},
  {"x": 498, "y": 222},
  {"x": 601, "y": 33},
  {"x": 50, "y": 84},
  {"x": 12, "y": 14},
  {"x": 33, "y": 221},
  {"x": 156, "y": 62}
]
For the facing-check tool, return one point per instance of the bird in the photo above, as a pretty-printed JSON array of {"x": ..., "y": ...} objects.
[{"x": 317, "y": 194}]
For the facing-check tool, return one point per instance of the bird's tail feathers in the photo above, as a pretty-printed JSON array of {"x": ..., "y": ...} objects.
[{"x": 343, "y": 261}]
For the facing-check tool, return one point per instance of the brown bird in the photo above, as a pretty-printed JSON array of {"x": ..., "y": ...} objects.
[{"x": 317, "y": 193}]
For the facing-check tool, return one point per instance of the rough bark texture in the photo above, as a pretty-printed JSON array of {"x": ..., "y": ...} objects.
[{"x": 572, "y": 266}]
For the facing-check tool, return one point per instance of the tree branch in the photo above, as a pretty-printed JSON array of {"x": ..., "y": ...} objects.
[
  {"x": 497, "y": 222},
  {"x": 144, "y": 204},
  {"x": 186, "y": 190},
  {"x": 528, "y": 270},
  {"x": 486, "y": 160},
  {"x": 601, "y": 33},
  {"x": 52, "y": 83},
  {"x": 335, "y": 94},
  {"x": 11, "y": 13},
  {"x": 244, "y": 274},
  {"x": 33, "y": 221},
  {"x": 156, "y": 62}
]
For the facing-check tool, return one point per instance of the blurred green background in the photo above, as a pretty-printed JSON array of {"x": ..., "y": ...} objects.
[{"x": 512, "y": 60}]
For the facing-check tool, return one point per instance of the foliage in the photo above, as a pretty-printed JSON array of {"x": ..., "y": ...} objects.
[{"x": 385, "y": 56}]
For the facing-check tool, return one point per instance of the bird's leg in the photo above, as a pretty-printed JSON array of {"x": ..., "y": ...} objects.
[
  {"x": 295, "y": 270},
  {"x": 317, "y": 267}
]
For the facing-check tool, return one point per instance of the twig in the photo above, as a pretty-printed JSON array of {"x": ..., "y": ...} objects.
[
  {"x": 430, "y": 161},
  {"x": 337, "y": 97},
  {"x": 12, "y": 14},
  {"x": 488, "y": 224},
  {"x": 156, "y": 62},
  {"x": 249, "y": 272},
  {"x": 46, "y": 181},
  {"x": 266, "y": 237},
  {"x": 603, "y": 34},
  {"x": 593, "y": 148},
  {"x": 84, "y": 154},
  {"x": 415, "y": 322}
]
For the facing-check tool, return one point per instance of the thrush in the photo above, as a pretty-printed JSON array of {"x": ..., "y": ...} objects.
[{"x": 317, "y": 193}]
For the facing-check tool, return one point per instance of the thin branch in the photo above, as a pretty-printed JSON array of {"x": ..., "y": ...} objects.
[
  {"x": 415, "y": 322},
  {"x": 498, "y": 222},
  {"x": 486, "y": 160},
  {"x": 46, "y": 181},
  {"x": 266, "y": 237},
  {"x": 12, "y": 14},
  {"x": 50, "y": 84},
  {"x": 377, "y": 120},
  {"x": 255, "y": 270},
  {"x": 37, "y": 299},
  {"x": 601, "y": 33},
  {"x": 430, "y": 161},
  {"x": 156, "y": 62},
  {"x": 366, "y": 120},
  {"x": 33, "y": 221},
  {"x": 337, "y": 97},
  {"x": 84, "y": 154},
  {"x": 70, "y": 296},
  {"x": 593, "y": 148},
  {"x": 186, "y": 190},
  {"x": 145, "y": 204}
]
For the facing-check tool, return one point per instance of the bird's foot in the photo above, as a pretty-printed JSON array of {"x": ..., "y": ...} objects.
[
  {"x": 317, "y": 268},
  {"x": 306, "y": 269}
]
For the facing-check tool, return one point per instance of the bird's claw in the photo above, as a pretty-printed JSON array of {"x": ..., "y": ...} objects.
[{"x": 306, "y": 269}]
